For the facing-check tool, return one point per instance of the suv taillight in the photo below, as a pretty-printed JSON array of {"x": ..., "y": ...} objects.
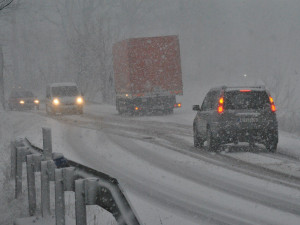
[
  {"x": 221, "y": 105},
  {"x": 273, "y": 107}
]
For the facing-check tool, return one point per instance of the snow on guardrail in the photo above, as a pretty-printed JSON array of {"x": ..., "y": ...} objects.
[{"x": 91, "y": 187}]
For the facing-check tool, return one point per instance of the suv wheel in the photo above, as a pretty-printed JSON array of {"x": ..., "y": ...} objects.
[
  {"x": 271, "y": 146},
  {"x": 271, "y": 141},
  {"x": 198, "y": 142},
  {"x": 212, "y": 144}
]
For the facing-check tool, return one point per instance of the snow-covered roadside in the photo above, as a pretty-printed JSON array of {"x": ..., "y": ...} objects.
[
  {"x": 10, "y": 208},
  {"x": 14, "y": 124}
]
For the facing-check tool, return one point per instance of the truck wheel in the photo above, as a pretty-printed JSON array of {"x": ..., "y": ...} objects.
[{"x": 170, "y": 111}]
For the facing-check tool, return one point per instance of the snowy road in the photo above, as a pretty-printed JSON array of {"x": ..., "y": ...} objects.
[{"x": 170, "y": 182}]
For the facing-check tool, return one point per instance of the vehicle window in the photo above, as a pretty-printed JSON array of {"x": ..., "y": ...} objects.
[
  {"x": 65, "y": 91},
  {"x": 210, "y": 101},
  {"x": 22, "y": 94},
  {"x": 245, "y": 100}
]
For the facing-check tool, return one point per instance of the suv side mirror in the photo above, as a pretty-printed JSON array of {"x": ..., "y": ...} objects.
[{"x": 196, "y": 107}]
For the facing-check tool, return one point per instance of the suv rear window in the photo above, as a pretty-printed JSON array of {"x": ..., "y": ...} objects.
[{"x": 245, "y": 100}]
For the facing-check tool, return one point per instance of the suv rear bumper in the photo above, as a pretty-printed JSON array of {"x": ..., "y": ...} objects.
[{"x": 259, "y": 134}]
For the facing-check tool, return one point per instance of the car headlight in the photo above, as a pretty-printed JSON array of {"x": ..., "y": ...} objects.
[
  {"x": 79, "y": 100},
  {"x": 55, "y": 101},
  {"x": 36, "y": 101},
  {"x": 22, "y": 102}
]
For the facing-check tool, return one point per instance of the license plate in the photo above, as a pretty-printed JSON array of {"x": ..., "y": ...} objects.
[{"x": 248, "y": 120}]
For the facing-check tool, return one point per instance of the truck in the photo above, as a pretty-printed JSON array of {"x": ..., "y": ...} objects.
[{"x": 147, "y": 74}]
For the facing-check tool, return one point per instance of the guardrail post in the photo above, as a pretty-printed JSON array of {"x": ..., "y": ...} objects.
[
  {"x": 80, "y": 209},
  {"x": 31, "y": 185},
  {"x": 47, "y": 143},
  {"x": 47, "y": 175},
  {"x": 13, "y": 156},
  {"x": 33, "y": 164},
  {"x": 69, "y": 178},
  {"x": 18, "y": 177},
  {"x": 59, "y": 197},
  {"x": 45, "y": 190},
  {"x": 91, "y": 191}
]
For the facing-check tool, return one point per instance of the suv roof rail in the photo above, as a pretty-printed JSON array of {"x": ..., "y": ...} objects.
[
  {"x": 250, "y": 86},
  {"x": 224, "y": 87}
]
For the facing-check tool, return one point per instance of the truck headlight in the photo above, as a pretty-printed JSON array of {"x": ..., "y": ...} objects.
[
  {"x": 79, "y": 100},
  {"x": 36, "y": 101},
  {"x": 55, "y": 101},
  {"x": 22, "y": 102}
]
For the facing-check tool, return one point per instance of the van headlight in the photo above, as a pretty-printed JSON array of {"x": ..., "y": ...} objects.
[
  {"x": 56, "y": 101},
  {"x": 79, "y": 100},
  {"x": 36, "y": 101}
]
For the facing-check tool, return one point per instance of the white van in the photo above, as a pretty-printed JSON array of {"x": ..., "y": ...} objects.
[{"x": 63, "y": 97}]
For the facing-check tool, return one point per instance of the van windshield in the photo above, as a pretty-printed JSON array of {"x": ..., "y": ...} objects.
[
  {"x": 65, "y": 91},
  {"x": 245, "y": 100}
]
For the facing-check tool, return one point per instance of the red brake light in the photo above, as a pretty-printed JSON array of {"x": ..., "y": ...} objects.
[
  {"x": 221, "y": 100},
  {"x": 273, "y": 107},
  {"x": 220, "y": 109},
  {"x": 245, "y": 90},
  {"x": 220, "y": 106},
  {"x": 177, "y": 105}
]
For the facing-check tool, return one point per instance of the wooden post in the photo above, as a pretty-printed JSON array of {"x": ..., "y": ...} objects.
[
  {"x": 47, "y": 143},
  {"x": 31, "y": 185},
  {"x": 19, "y": 165},
  {"x": 45, "y": 190},
  {"x": 80, "y": 208},
  {"x": 59, "y": 197}
]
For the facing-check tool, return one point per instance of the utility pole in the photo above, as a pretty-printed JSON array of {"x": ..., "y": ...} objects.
[
  {"x": 3, "y": 4},
  {"x": 2, "y": 100}
]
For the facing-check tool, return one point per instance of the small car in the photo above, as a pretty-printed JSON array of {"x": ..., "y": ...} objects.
[
  {"x": 64, "y": 98},
  {"x": 22, "y": 100},
  {"x": 236, "y": 114}
]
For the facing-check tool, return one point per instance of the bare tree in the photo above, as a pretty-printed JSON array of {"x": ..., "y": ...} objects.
[{"x": 4, "y": 3}]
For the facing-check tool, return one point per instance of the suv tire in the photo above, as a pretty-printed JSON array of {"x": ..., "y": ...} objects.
[
  {"x": 271, "y": 141},
  {"x": 212, "y": 144},
  {"x": 271, "y": 146},
  {"x": 198, "y": 142}
]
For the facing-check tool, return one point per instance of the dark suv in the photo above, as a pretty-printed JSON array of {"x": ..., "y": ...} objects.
[{"x": 236, "y": 114}]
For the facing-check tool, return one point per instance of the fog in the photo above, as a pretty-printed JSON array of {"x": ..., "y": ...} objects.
[{"x": 220, "y": 41}]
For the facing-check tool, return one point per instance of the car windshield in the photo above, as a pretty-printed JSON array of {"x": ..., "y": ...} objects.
[
  {"x": 65, "y": 91},
  {"x": 245, "y": 100},
  {"x": 22, "y": 94}
]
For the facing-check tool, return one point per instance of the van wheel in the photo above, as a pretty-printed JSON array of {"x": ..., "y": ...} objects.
[
  {"x": 198, "y": 142},
  {"x": 48, "y": 111},
  {"x": 212, "y": 144}
]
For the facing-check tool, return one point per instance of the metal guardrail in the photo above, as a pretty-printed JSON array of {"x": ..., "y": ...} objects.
[{"x": 91, "y": 187}]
